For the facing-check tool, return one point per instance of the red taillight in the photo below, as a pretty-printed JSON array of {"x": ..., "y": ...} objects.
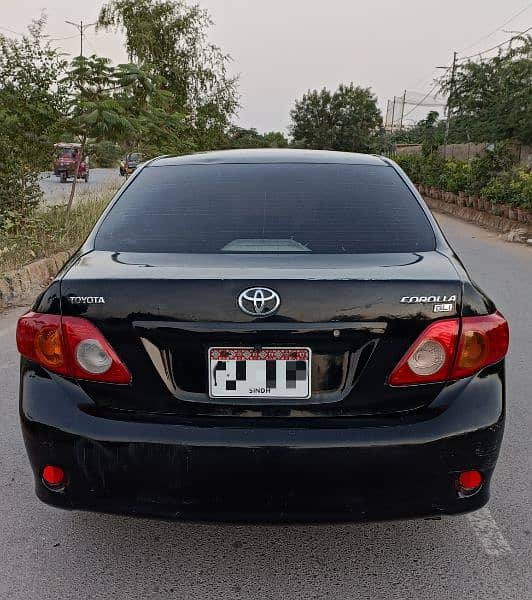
[
  {"x": 452, "y": 349},
  {"x": 79, "y": 332},
  {"x": 430, "y": 357},
  {"x": 70, "y": 346}
]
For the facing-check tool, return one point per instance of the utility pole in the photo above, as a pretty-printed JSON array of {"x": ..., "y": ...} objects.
[
  {"x": 448, "y": 122},
  {"x": 402, "y": 111},
  {"x": 81, "y": 27},
  {"x": 393, "y": 113}
]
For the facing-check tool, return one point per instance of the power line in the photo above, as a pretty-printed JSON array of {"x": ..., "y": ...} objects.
[
  {"x": 517, "y": 14},
  {"x": 60, "y": 39},
  {"x": 456, "y": 60},
  {"x": 484, "y": 37},
  {"x": 495, "y": 47},
  {"x": 54, "y": 39},
  {"x": 11, "y": 31},
  {"x": 422, "y": 99}
]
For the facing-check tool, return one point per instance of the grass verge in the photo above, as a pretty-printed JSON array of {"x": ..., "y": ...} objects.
[{"x": 50, "y": 230}]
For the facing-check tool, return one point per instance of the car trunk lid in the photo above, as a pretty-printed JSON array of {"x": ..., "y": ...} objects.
[{"x": 357, "y": 313}]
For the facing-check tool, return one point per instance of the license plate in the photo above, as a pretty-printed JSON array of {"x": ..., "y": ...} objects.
[{"x": 273, "y": 373}]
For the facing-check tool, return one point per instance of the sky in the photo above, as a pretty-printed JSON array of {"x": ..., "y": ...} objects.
[{"x": 282, "y": 48}]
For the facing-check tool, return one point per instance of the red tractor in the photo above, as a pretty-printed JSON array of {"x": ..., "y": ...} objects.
[{"x": 66, "y": 156}]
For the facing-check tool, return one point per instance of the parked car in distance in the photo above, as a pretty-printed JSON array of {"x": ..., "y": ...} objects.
[
  {"x": 264, "y": 335},
  {"x": 66, "y": 156},
  {"x": 130, "y": 162}
]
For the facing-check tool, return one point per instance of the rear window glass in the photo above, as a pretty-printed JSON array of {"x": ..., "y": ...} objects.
[{"x": 232, "y": 208}]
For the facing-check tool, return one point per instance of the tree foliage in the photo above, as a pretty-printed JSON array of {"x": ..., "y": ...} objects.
[
  {"x": 31, "y": 102},
  {"x": 19, "y": 190},
  {"x": 345, "y": 119},
  {"x": 492, "y": 175},
  {"x": 240, "y": 138},
  {"x": 31, "y": 99},
  {"x": 491, "y": 100},
  {"x": 105, "y": 154},
  {"x": 169, "y": 38},
  {"x": 120, "y": 103}
]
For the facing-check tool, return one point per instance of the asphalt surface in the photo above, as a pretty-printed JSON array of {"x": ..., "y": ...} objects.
[
  {"x": 100, "y": 180},
  {"x": 46, "y": 553}
]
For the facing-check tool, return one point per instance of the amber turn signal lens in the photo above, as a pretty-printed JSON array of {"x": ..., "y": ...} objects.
[
  {"x": 474, "y": 350},
  {"x": 48, "y": 346}
]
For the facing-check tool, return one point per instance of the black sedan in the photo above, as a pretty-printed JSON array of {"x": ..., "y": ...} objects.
[{"x": 264, "y": 336}]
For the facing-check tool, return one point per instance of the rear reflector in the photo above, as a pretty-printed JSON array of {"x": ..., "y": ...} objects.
[
  {"x": 470, "y": 481},
  {"x": 452, "y": 349},
  {"x": 53, "y": 476},
  {"x": 70, "y": 346}
]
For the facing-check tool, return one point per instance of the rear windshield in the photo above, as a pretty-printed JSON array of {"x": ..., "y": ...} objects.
[{"x": 232, "y": 208}]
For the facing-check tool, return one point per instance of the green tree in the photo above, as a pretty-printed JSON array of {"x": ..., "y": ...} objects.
[
  {"x": 430, "y": 132},
  {"x": 104, "y": 154},
  {"x": 169, "y": 38},
  {"x": 19, "y": 189},
  {"x": 31, "y": 100},
  {"x": 346, "y": 119},
  {"x": 119, "y": 104},
  {"x": 158, "y": 128},
  {"x": 275, "y": 139},
  {"x": 491, "y": 100},
  {"x": 239, "y": 138}
]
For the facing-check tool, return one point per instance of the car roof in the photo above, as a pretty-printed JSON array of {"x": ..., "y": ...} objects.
[{"x": 270, "y": 155}]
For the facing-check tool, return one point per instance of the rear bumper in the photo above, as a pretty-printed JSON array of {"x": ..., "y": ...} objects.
[{"x": 238, "y": 471}]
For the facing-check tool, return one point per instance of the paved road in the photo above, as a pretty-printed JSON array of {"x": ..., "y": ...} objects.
[
  {"x": 46, "y": 553},
  {"x": 99, "y": 180}
]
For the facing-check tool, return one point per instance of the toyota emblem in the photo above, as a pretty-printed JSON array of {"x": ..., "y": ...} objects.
[{"x": 259, "y": 301}]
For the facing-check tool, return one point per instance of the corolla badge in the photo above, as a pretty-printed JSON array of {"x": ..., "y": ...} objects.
[
  {"x": 259, "y": 301},
  {"x": 441, "y": 303},
  {"x": 426, "y": 299}
]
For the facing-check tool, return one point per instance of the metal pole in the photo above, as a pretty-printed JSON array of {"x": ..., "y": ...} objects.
[
  {"x": 402, "y": 112},
  {"x": 393, "y": 113},
  {"x": 81, "y": 28},
  {"x": 448, "y": 122}
]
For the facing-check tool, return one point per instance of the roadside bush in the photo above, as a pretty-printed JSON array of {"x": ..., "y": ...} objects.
[
  {"x": 522, "y": 189},
  {"x": 19, "y": 189},
  {"x": 456, "y": 176},
  {"x": 48, "y": 231},
  {"x": 492, "y": 176},
  {"x": 500, "y": 189},
  {"x": 412, "y": 165},
  {"x": 104, "y": 154},
  {"x": 489, "y": 165},
  {"x": 433, "y": 171}
]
